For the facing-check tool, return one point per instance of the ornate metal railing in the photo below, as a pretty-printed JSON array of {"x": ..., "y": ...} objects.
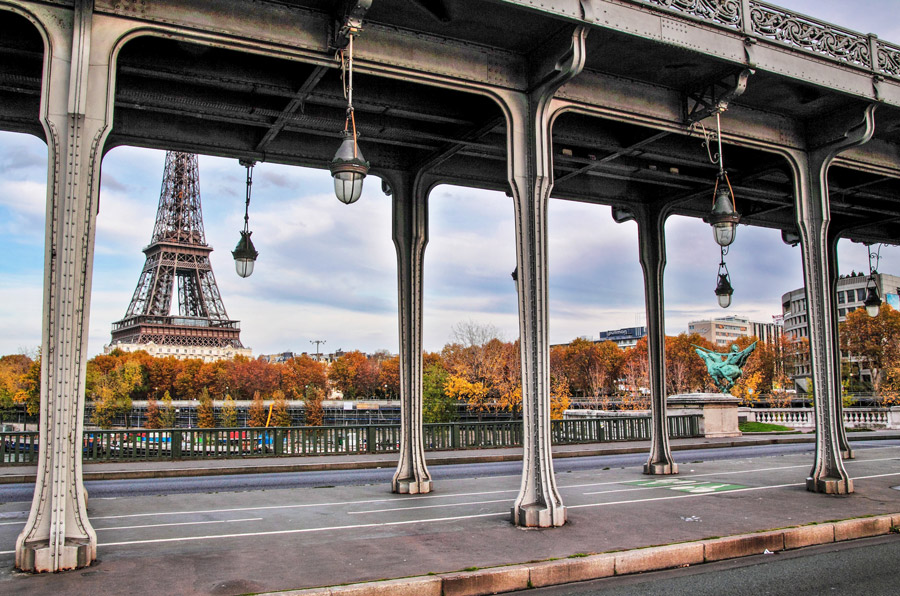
[
  {"x": 792, "y": 29},
  {"x": 197, "y": 443}
]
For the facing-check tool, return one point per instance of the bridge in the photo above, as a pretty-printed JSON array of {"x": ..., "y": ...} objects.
[{"x": 598, "y": 101}]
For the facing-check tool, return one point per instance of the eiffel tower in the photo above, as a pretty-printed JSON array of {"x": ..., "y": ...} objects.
[{"x": 178, "y": 260}]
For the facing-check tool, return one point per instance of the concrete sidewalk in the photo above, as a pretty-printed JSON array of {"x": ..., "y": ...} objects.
[
  {"x": 458, "y": 540},
  {"x": 273, "y": 465}
]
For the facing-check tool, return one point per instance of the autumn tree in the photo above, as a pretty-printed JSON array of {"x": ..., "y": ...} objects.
[
  {"x": 29, "y": 392},
  {"x": 487, "y": 377},
  {"x": 206, "y": 415},
  {"x": 874, "y": 342},
  {"x": 229, "y": 412},
  {"x": 111, "y": 391},
  {"x": 590, "y": 368},
  {"x": 389, "y": 377},
  {"x": 301, "y": 372},
  {"x": 315, "y": 413},
  {"x": 636, "y": 377},
  {"x": 280, "y": 414},
  {"x": 257, "y": 412},
  {"x": 353, "y": 375},
  {"x": 13, "y": 369},
  {"x": 167, "y": 416},
  {"x": 685, "y": 369},
  {"x": 153, "y": 414}
]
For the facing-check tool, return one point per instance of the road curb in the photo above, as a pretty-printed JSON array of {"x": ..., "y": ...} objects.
[
  {"x": 497, "y": 580},
  {"x": 481, "y": 458}
]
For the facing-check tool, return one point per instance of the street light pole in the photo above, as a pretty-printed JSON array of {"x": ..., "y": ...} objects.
[{"x": 317, "y": 342}]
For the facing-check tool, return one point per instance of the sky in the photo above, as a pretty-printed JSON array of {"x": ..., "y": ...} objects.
[{"x": 327, "y": 271}]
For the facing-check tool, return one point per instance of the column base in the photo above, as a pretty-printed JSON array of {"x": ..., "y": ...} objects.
[
  {"x": 411, "y": 486},
  {"x": 660, "y": 469},
  {"x": 538, "y": 516},
  {"x": 848, "y": 454},
  {"x": 829, "y": 486},
  {"x": 36, "y": 556}
]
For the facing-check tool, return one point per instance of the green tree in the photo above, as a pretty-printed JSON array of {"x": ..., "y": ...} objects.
[
  {"x": 229, "y": 412},
  {"x": 206, "y": 415},
  {"x": 437, "y": 405}
]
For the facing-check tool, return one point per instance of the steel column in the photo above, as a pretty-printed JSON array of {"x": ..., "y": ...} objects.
[
  {"x": 531, "y": 179},
  {"x": 651, "y": 223},
  {"x": 76, "y": 117},
  {"x": 834, "y": 234},
  {"x": 410, "y": 231},
  {"x": 813, "y": 217}
]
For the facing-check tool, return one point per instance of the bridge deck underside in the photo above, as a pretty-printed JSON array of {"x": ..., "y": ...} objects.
[{"x": 184, "y": 96}]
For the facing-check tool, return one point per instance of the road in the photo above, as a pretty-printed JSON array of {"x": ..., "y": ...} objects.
[
  {"x": 866, "y": 567},
  {"x": 382, "y": 476},
  {"x": 255, "y": 533}
]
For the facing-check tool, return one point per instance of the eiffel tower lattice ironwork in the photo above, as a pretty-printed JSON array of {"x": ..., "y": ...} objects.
[{"x": 178, "y": 260}]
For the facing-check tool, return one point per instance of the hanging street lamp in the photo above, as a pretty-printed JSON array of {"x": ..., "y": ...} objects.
[
  {"x": 244, "y": 253},
  {"x": 873, "y": 300},
  {"x": 348, "y": 167},
  {"x": 873, "y": 297},
  {"x": 723, "y": 287},
  {"x": 724, "y": 217}
]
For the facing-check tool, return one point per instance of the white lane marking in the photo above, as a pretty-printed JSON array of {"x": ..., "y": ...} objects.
[
  {"x": 428, "y": 506},
  {"x": 12, "y": 523},
  {"x": 196, "y": 523},
  {"x": 739, "y": 490},
  {"x": 302, "y": 530}
]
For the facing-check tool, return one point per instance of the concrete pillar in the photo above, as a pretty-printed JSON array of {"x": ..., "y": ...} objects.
[
  {"x": 531, "y": 179},
  {"x": 813, "y": 217},
  {"x": 76, "y": 113},
  {"x": 832, "y": 257},
  {"x": 651, "y": 222},
  {"x": 409, "y": 198}
]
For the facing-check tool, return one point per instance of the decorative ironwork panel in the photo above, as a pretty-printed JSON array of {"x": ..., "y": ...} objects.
[
  {"x": 725, "y": 12},
  {"x": 809, "y": 34},
  {"x": 889, "y": 59}
]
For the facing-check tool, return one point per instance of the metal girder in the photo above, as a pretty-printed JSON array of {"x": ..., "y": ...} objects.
[
  {"x": 466, "y": 139},
  {"x": 613, "y": 156},
  {"x": 295, "y": 104}
]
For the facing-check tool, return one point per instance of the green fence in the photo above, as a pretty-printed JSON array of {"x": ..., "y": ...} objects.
[{"x": 195, "y": 443}]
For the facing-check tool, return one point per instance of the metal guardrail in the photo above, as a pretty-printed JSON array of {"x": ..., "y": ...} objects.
[{"x": 20, "y": 448}]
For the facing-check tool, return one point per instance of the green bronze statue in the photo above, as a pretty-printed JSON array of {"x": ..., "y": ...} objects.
[{"x": 725, "y": 369}]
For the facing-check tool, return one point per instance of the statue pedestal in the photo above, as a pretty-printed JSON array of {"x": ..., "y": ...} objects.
[{"x": 719, "y": 412}]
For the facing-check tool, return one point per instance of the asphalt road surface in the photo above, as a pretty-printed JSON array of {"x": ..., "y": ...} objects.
[{"x": 867, "y": 567}]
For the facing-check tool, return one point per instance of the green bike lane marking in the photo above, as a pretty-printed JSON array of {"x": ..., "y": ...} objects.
[{"x": 686, "y": 485}]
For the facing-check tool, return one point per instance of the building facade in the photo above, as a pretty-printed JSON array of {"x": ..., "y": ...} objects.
[
  {"x": 851, "y": 292},
  {"x": 624, "y": 338},
  {"x": 724, "y": 331},
  {"x": 184, "y": 352}
]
